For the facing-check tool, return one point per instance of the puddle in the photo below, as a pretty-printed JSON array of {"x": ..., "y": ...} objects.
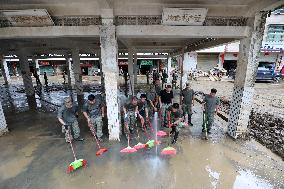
[{"x": 247, "y": 180}]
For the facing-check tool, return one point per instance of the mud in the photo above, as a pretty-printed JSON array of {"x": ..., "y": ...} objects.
[{"x": 35, "y": 155}]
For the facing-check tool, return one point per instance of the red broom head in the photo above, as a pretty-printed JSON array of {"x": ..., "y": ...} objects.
[
  {"x": 84, "y": 163},
  {"x": 70, "y": 169},
  {"x": 101, "y": 151},
  {"x": 139, "y": 146},
  {"x": 161, "y": 133},
  {"x": 169, "y": 151},
  {"x": 128, "y": 150}
]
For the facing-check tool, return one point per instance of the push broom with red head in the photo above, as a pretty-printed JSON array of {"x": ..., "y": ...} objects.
[
  {"x": 128, "y": 149},
  {"x": 100, "y": 151}
]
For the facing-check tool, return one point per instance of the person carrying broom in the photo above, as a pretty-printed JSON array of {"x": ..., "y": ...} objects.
[
  {"x": 187, "y": 95},
  {"x": 143, "y": 108},
  {"x": 131, "y": 111},
  {"x": 93, "y": 110},
  {"x": 67, "y": 116},
  {"x": 175, "y": 121},
  {"x": 210, "y": 107}
]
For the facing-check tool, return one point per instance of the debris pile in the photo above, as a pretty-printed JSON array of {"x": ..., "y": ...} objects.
[{"x": 268, "y": 130}]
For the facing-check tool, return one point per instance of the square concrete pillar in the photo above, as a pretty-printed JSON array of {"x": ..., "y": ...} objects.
[
  {"x": 189, "y": 64},
  {"x": 5, "y": 70},
  {"x": 131, "y": 70},
  {"x": 3, "y": 123},
  {"x": 78, "y": 77},
  {"x": 37, "y": 66},
  {"x": 70, "y": 73},
  {"x": 77, "y": 71},
  {"x": 241, "y": 103},
  {"x": 108, "y": 43},
  {"x": 169, "y": 68},
  {"x": 135, "y": 68},
  {"x": 27, "y": 80}
]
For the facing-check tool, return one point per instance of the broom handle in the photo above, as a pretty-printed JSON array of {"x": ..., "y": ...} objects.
[
  {"x": 128, "y": 132},
  {"x": 150, "y": 125},
  {"x": 92, "y": 131},
  {"x": 71, "y": 144},
  {"x": 144, "y": 127}
]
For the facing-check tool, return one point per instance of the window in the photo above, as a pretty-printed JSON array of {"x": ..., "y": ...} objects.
[{"x": 275, "y": 33}]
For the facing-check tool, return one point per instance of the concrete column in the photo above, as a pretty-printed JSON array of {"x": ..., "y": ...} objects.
[
  {"x": 169, "y": 68},
  {"x": 5, "y": 71},
  {"x": 109, "y": 66},
  {"x": 37, "y": 67},
  {"x": 77, "y": 76},
  {"x": 27, "y": 79},
  {"x": 189, "y": 64},
  {"x": 70, "y": 73},
  {"x": 3, "y": 123},
  {"x": 221, "y": 60},
  {"x": 241, "y": 103},
  {"x": 135, "y": 68},
  {"x": 131, "y": 70}
]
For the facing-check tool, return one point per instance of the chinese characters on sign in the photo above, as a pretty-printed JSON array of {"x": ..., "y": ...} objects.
[{"x": 184, "y": 16}]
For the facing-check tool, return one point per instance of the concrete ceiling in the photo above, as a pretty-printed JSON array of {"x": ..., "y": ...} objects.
[
  {"x": 222, "y": 8},
  {"x": 244, "y": 8}
]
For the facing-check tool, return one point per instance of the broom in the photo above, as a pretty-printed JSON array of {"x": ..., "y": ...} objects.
[
  {"x": 161, "y": 133},
  {"x": 205, "y": 122},
  {"x": 77, "y": 163},
  {"x": 128, "y": 149},
  {"x": 169, "y": 150},
  {"x": 150, "y": 143},
  {"x": 100, "y": 151},
  {"x": 139, "y": 145}
]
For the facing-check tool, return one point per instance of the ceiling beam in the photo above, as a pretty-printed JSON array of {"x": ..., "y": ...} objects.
[{"x": 182, "y": 32}]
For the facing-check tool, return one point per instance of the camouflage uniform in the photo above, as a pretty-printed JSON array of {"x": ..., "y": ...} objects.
[
  {"x": 166, "y": 99},
  {"x": 187, "y": 102},
  {"x": 174, "y": 116},
  {"x": 68, "y": 115},
  {"x": 131, "y": 116},
  {"x": 151, "y": 97},
  {"x": 142, "y": 107},
  {"x": 211, "y": 102},
  {"x": 95, "y": 114}
]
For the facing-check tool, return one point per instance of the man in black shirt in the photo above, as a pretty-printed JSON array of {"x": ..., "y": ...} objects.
[{"x": 166, "y": 99}]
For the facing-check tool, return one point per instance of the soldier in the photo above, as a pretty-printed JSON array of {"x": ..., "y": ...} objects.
[
  {"x": 143, "y": 108},
  {"x": 174, "y": 81},
  {"x": 38, "y": 83},
  {"x": 210, "y": 108},
  {"x": 188, "y": 101},
  {"x": 151, "y": 98},
  {"x": 45, "y": 79},
  {"x": 64, "y": 78},
  {"x": 130, "y": 112},
  {"x": 165, "y": 99},
  {"x": 175, "y": 121},
  {"x": 93, "y": 111},
  {"x": 67, "y": 116},
  {"x": 164, "y": 78},
  {"x": 157, "y": 86},
  {"x": 147, "y": 76}
]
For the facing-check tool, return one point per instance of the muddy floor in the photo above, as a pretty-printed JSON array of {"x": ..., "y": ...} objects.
[{"x": 34, "y": 155}]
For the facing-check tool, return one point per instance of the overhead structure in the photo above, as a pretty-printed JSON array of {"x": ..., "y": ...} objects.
[{"x": 110, "y": 27}]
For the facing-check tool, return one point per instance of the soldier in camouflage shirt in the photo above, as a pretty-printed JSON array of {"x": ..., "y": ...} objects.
[{"x": 211, "y": 105}]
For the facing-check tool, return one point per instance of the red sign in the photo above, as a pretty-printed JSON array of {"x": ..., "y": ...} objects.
[{"x": 44, "y": 63}]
